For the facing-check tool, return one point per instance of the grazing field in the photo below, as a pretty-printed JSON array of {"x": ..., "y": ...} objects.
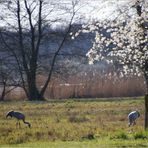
[{"x": 79, "y": 123}]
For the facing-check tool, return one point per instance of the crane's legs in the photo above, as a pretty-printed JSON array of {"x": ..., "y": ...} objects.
[{"x": 18, "y": 125}]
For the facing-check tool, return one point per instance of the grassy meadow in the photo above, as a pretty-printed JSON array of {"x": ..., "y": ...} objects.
[{"x": 79, "y": 123}]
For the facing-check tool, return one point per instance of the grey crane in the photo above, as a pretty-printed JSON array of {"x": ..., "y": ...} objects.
[
  {"x": 19, "y": 116},
  {"x": 132, "y": 116}
]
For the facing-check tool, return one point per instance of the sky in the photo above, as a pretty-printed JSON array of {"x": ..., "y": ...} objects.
[
  {"x": 90, "y": 10},
  {"x": 99, "y": 9},
  {"x": 87, "y": 10}
]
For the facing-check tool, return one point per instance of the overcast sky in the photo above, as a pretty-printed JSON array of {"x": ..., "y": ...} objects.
[
  {"x": 97, "y": 9},
  {"x": 88, "y": 9}
]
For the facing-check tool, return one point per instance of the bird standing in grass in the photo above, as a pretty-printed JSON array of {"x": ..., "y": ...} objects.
[
  {"x": 132, "y": 116},
  {"x": 19, "y": 116}
]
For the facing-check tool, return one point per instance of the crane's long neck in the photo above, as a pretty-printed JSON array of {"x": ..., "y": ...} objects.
[{"x": 29, "y": 125}]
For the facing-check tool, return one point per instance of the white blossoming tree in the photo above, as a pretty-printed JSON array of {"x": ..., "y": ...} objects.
[{"x": 123, "y": 40}]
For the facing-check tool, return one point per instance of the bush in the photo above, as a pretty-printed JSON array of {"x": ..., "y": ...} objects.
[{"x": 140, "y": 135}]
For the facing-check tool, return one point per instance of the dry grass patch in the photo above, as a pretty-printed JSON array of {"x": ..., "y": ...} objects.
[{"x": 76, "y": 120}]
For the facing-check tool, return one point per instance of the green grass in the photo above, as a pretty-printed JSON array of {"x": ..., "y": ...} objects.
[{"x": 75, "y": 123}]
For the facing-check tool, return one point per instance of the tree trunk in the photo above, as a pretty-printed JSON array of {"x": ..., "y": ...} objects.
[
  {"x": 146, "y": 112},
  {"x": 146, "y": 103},
  {"x": 3, "y": 92},
  {"x": 33, "y": 92}
]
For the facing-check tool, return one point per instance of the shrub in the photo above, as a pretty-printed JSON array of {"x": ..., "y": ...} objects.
[{"x": 140, "y": 135}]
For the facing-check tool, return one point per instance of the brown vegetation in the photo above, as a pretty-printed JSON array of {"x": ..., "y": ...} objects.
[{"x": 88, "y": 86}]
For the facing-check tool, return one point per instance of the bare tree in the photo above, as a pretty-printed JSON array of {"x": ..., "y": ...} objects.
[
  {"x": 25, "y": 43},
  {"x": 8, "y": 79}
]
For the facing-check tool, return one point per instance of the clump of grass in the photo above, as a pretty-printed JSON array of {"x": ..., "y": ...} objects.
[
  {"x": 78, "y": 118},
  {"x": 16, "y": 138},
  {"x": 140, "y": 135},
  {"x": 89, "y": 136},
  {"x": 70, "y": 104},
  {"x": 57, "y": 118},
  {"x": 119, "y": 135}
]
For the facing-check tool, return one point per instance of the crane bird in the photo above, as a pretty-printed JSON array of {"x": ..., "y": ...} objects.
[
  {"x": 19, "y": 116},
  {"x": 132, "y": 116}
]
